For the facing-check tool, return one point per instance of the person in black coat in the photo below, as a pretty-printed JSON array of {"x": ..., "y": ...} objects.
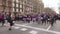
[
  {"x": 43, "y": 18},
  {"x": 10, "y": 20},
  {"x": 51, "y": 20}
]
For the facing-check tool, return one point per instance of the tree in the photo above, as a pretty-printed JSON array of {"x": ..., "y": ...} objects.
[{"x": 49, "y": 10}]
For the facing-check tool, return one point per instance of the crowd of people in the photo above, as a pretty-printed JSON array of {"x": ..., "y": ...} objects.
[{"x": 38, "y": 18}]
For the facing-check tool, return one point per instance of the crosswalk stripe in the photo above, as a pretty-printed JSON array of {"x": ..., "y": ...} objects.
[
  {"x": 41, "y": 29},
  {"x": 49, "y": 27},
  {"x": 16, "y": 27},
  {"x": 33, "y": 32},
  {"x": 23, "y": 29}
]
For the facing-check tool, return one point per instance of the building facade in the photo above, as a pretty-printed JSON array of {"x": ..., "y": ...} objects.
[
  {"x": 5, "y": 6},
  {"x": 38, "y": 6},
  {"x": 21, "y": 6}
]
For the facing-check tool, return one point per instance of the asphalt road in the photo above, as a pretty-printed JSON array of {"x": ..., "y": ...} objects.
[{"x": 30, "y": 28}]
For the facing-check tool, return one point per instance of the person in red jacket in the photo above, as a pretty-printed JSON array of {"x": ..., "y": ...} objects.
[
  {"x": 0, "y": 17},
  {"x": 3, "y": 18}
]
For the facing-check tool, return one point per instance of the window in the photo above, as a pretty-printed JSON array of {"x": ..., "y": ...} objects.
[
  {"x": 20, "y": 10},
  {"x": 13, "y": 4},
  {"x": 16, "y": 10},
  {"x": 20, "y": 6},
  {"x": 16, "y": 5}
]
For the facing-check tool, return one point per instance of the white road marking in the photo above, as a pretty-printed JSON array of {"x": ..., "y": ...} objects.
[
  {"x": 58, "y": 33},
  {"x": 41, "y": 29},
  {"x": 23, "y": 29},
  {"x": 16, "y": 27},
  {"x": 49, "y": 27},
  {"x": 33, "y": 32}
]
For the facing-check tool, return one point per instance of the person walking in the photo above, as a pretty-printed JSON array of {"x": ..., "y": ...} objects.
[
  {"x": 51, "y": 20},
  {"x": 0, "y": 17},
  {"x": 3, "y": 18},
  {"x": 10, "y": 20}
]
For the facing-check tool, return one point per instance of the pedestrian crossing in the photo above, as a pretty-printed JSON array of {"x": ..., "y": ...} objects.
[
  {"x": 26, "y": 29},
  {"x": 16, "y": 27},
  {"x": 32, "y": 30},
  {"x": 23, "y": 29}
]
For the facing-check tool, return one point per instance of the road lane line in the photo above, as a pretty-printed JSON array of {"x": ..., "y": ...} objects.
[
  {"x": 49, "y": 27},
  {"x": 41, "y": 29}
]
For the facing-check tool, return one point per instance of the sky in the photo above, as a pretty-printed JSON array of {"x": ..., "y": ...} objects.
[{"x": 51, "y": 4}]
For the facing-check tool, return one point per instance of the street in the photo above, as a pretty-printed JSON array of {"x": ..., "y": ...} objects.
[
  {"x": 30, "y": 28},
  {"x": 30, "y": 16}
]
